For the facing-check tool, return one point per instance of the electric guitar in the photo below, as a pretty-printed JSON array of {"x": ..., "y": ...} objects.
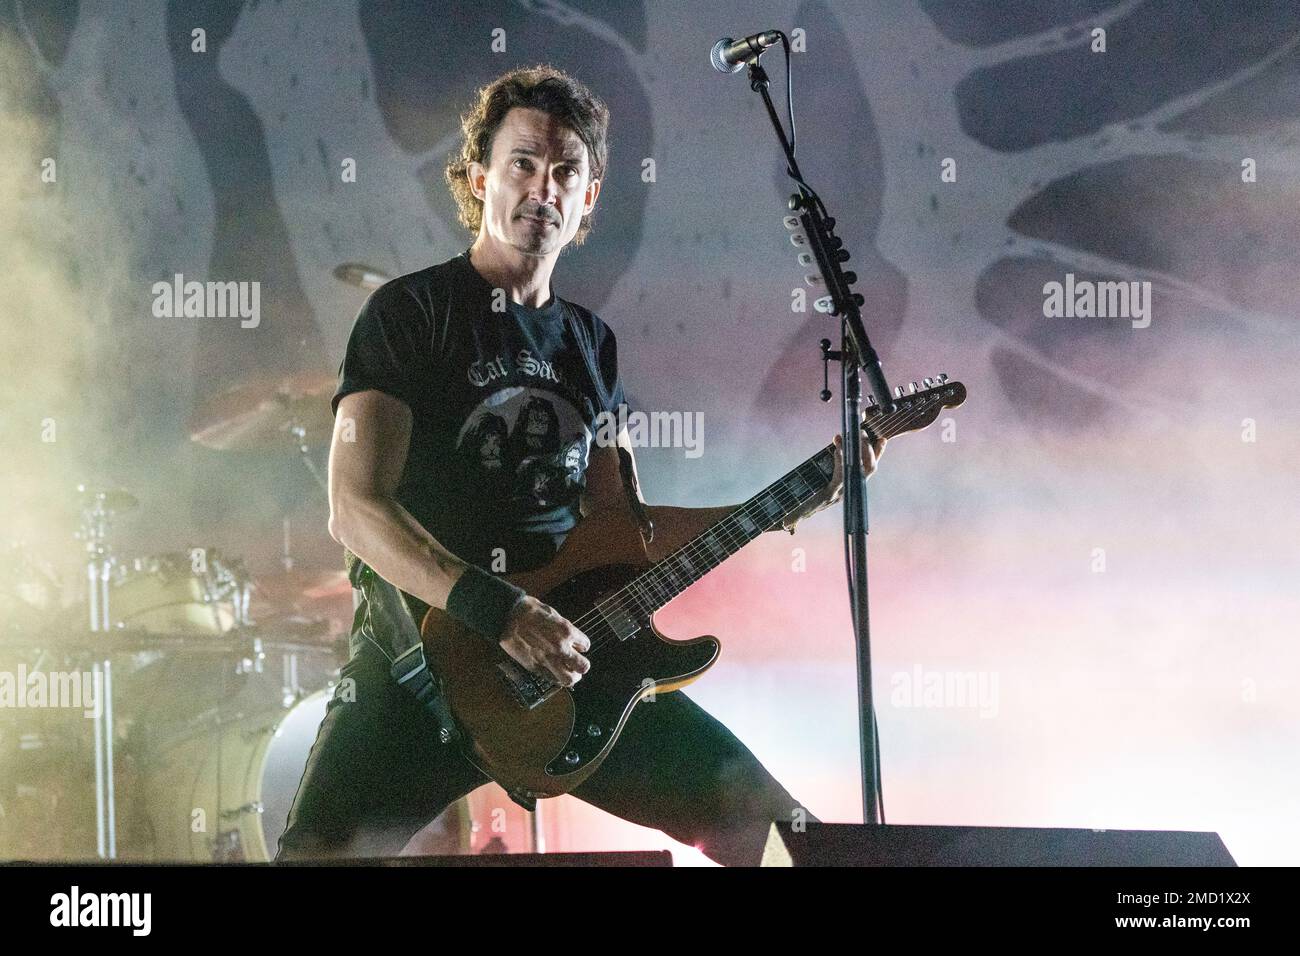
[{"x": 539, "y": 739}]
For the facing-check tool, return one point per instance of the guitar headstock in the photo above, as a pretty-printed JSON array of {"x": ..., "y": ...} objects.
[{"x": 914, "y": 409}]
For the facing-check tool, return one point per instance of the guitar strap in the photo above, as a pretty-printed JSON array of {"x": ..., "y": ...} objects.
[
  {"x": 588, "y": 349},
  {"x": 400, "y": 642},
  {"x": 405, "y": 653}
]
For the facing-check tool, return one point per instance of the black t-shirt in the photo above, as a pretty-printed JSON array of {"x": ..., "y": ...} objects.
[{"x": 504, "y": 407}]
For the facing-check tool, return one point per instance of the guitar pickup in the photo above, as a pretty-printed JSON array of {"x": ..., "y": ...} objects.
[{"x": 621, "y": 622}]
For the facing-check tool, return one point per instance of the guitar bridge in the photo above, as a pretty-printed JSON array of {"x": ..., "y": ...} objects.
[{"x": 526, "y": 688}]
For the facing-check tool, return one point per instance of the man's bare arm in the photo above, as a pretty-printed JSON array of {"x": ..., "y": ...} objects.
[
  {"x": 372, "y": 438},
  {"x": 372, "y": 435}
]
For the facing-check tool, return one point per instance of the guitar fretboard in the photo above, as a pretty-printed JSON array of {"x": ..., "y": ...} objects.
[{"x": 623, "y": 612}]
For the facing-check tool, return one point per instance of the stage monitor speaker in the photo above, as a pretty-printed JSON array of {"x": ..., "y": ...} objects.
[
  {"x": 856, "y": 844},
  {"x": 616, "y": 858}
]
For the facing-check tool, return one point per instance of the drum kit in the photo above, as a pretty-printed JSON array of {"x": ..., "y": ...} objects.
[
  {"x": 204, "y": 686},
  {"x": 208, "y": 683}
]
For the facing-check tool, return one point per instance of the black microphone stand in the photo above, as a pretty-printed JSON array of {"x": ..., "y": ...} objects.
[{"x": 855, "y": 355}]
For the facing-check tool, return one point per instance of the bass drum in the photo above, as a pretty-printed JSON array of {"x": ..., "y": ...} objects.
[{"x": 225, "y": 796}]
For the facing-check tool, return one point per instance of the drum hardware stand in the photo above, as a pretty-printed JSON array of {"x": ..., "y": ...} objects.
[
  {"x": 299, "y": 435},
  {"x": 253, "y": 662},
  {"x": 242, "y": 598},
  {"x": 537, "y": 837},
  {"x": 227, "y": 845},
  {"x": 292, "y": 690},
  {"x": 234, "y": 581},
  {"x": 298, "y": 432},
  {"x": 289, "y": 686},
  {"x": 95, "y": 517}
]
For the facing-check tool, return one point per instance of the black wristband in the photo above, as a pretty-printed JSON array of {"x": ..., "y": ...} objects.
[{"x": 483, "y": 601}]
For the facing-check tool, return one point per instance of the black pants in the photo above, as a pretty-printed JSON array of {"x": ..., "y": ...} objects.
[{"x": 378, "y": 774}]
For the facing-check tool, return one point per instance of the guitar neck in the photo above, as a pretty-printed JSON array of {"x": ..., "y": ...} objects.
[
  {"x": 664, "y": 580},
  {"x": 669, "y": 577}
]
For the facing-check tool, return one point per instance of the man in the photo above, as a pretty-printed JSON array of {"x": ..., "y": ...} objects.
[{"x": 464, "y": 388}]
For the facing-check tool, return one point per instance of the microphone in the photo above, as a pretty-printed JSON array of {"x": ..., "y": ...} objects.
[{"x": 730, "y": 56}]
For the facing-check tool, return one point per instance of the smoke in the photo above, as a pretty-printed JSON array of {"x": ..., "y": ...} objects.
[{"x": 47, "y": 427}]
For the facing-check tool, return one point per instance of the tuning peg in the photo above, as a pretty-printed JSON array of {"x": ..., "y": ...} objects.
[
  {"x": 898, "y": 391},
  {"x": 814, "y": 280},
  {"x": 791, "y": 222},
  {"x": 943, "y": 378},
  {"x": 798, "y": 239},
  {"x": 850, "y": 277},
  {"x": 911, "y": 388},
  {"x": 825, "y": 305},
  {"x": 927, "y": 382},
  {"x": 806, "y": 259}
]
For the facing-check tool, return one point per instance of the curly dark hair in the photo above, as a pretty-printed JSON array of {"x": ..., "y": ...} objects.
[{"x": 538, "y": 87}]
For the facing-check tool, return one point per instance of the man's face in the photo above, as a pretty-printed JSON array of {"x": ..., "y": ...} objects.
[{"x": 537, "y": 188}]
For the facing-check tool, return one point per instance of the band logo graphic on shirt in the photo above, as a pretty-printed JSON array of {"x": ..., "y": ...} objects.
[
  {"x": 483, "y": 371},
  {"x": 528, "y": 446}
]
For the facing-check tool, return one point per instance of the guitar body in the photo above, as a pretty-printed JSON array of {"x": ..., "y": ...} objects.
[
  {"x": 540, "y": 740},
  {"x": 546, "y": 744}
]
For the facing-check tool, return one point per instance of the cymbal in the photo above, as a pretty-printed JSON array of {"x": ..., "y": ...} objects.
[
  {"x": 315, "y": 584},
  {"x": 361, "y": 275},
  {"x": 300, "y": 594},
  {"x": 265, "y": 415}
]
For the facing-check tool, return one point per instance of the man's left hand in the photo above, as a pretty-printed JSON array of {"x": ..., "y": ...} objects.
[{"x": 834, "y": 489}]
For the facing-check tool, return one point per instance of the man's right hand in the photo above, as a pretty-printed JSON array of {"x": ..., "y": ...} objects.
[{"x": 544, "y": 641}]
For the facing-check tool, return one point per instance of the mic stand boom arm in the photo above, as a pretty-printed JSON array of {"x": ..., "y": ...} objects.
[{"x": 856, "y": 355}]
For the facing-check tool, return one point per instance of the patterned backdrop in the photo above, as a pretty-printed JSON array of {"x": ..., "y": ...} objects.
[{"x": 1103, "y": 537}]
